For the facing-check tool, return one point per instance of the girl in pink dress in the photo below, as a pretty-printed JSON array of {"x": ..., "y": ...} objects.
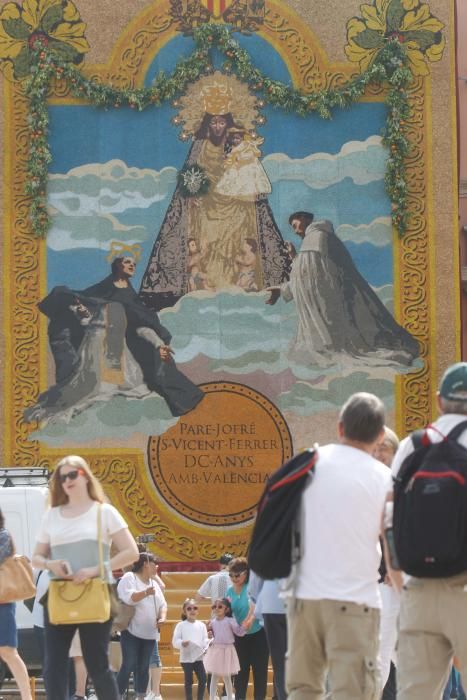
[{"x": 221, "y": 659}]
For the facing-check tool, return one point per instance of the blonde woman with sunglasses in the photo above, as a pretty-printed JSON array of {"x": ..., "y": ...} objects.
[{"x": 67, "y": 546}]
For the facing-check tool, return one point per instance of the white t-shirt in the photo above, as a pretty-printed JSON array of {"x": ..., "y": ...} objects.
[
  {"x": 215, "y": 585},
  {"x": 196, "y": 634},
  {"x": 75, "y": 539},
  {"x": 342, "y": 511},
  {"x": 442, "y": 426},
  {"x": 143, "y": 624}
]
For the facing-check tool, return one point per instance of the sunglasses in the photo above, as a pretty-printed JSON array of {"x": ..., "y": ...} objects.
[
  {"x": 237, "y": 575},
  {"x": 189, "y": 608},
  {"x": 73, "y": 475},
  {"x": 217, "y": 607}
]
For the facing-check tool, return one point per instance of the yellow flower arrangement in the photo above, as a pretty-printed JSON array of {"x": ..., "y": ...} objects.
[
  {"x": 409, "y": 22},
  {"x": 52, "y": 24}
]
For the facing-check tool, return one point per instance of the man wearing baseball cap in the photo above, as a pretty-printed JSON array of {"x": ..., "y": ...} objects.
[{"x": 433, "y": 617}]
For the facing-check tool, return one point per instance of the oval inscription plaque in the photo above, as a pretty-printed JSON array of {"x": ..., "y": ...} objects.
[{"x": 212, "y": 466}]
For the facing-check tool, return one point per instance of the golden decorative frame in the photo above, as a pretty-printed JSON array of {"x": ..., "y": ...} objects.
[{"x": 126, "y": 476}]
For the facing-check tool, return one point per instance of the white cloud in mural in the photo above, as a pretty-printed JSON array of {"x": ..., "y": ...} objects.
[
  {"x": 110, "y": 187},
  {"x": 378, "y": 232},
  {"x": 361, "y": 161},
  {"x": 87, "y": 200},
  {"x": 95, "y": 231},
  {"x": 304, "y": 399}
]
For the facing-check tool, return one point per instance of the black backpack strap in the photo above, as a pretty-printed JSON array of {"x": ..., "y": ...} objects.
[
  {"x": 406, "y": 468},
  {"x": 457, "y": 431},
  {"x": 417, "y": 438}
]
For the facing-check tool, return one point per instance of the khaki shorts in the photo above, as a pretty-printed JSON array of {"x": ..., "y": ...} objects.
[{"x": 335, "y": 637}]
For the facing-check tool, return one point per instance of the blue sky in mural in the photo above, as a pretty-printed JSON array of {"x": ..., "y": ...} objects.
[{"x": 84, "y": 135}]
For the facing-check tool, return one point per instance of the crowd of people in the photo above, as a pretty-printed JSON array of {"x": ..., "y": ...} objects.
[{"x": 339, "y": 629}]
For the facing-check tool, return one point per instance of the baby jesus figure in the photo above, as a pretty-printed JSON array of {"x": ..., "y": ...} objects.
[{"x": 244, "y": 177}]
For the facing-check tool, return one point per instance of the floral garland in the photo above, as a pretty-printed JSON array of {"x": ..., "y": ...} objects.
[{"x": 386, "y": 56}]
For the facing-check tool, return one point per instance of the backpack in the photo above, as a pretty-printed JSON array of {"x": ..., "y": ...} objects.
[
  {"x": 430, "y": 507},
  {"x": 275, "y": 541}
]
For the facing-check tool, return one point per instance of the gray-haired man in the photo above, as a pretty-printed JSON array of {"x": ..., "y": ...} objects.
[{"x": 333, "y": 624}]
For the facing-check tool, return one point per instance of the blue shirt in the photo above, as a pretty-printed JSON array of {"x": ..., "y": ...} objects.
[{"x": 265, "y": 594}]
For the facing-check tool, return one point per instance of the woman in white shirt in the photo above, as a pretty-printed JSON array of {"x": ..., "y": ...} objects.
[
  {"x": 68, "y": 542},
  {"x": 140, "y": 588}
]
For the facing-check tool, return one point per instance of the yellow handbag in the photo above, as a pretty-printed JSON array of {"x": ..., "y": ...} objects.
[{"x": 76, "y": 603}]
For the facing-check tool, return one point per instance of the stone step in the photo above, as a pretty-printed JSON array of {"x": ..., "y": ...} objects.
[
  {"x": 186, "y": 580},
  {"x": 174, "y": 675},
  {"x": 179, "y": 595},
  {"x": 172, "y": 687}
]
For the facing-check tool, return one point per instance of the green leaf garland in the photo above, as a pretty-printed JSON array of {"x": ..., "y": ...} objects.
[{"x": 390, "y": 67}]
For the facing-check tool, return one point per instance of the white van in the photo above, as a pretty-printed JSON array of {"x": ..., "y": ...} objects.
[{"x": 22, "y": 508}]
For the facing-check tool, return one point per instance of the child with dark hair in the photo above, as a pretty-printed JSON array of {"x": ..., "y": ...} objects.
[
  {"x": 191, "y": 638},
  {"x": 221, "y": 659}
]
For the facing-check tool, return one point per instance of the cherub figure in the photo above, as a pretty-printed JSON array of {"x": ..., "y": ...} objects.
[
  {"x": 197, "y": 279},
  {"x": 246, "y": 264}
]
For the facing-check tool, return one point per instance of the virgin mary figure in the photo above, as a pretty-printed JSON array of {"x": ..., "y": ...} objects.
[{"x": 212, "y": 222}]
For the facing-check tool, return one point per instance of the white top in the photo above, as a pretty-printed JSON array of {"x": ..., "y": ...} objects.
[
  {"x": 75, "y": 539},
  {"x": 342, "y": 511},
  {"x": 196, "y": 634},
  {"x": 444, "y": 425},
  {"x": 215, "y": 585},
  {"x": 143, "y": 624}
]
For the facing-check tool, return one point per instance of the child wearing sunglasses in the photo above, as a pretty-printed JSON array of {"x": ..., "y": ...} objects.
[
  {"x": 221, "y": 659},
  {"x": 191, "y": 638}
]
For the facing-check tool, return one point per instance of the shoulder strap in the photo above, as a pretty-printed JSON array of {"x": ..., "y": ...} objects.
[
  {"x": 311, "y": 456},
  {"x": 420, "y": 437},
  {"x": 457, "y": 430},
  {"x": 417, "y": 438},
  {"x": 99, "y": 541},
  {"x": 154, "y": 595}
]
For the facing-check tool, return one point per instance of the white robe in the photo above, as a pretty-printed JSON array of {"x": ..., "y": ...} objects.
[{"x": 338, "y": 312}]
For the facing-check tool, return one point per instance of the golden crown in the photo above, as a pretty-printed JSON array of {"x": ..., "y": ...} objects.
[
  {"x": 119, "y": 249},
  {"x": 217, "y": 98}
]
